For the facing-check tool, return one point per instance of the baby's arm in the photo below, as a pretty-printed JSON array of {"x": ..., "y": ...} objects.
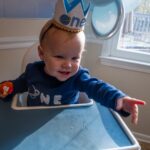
[
  {"x": 130, "y": 105},
  {"x": 13, "y": 87},
  {"x": 109, "y": 96}
]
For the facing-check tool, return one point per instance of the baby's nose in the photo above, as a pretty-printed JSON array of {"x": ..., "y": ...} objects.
[{"x": 67, "y": 64}]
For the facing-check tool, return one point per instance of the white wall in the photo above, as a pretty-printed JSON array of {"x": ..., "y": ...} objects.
[
  {"x": 16, "y": 36},
  {"x": 27, "y": 8}
]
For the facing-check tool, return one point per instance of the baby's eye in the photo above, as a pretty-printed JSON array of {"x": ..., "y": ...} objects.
[
  {"x": 75, "y": 58},
  {"x": 58, "y": 56}
]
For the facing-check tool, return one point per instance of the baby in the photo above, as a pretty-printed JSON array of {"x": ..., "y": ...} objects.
[{"x": 58, "y": 78}]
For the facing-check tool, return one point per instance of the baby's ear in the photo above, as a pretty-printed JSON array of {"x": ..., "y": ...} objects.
[{"x": 40, "y": 52}]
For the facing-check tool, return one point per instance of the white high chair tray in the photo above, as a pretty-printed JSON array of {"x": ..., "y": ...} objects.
[
  {"x": 20, "y": 103},
  {"x": 73, "y": 128}
]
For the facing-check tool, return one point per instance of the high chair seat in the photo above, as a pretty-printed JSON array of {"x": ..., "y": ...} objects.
[{"x": 30, "y": 56}]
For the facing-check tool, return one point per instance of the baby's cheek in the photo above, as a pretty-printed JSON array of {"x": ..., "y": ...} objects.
[{"x": 76, "y": 66}]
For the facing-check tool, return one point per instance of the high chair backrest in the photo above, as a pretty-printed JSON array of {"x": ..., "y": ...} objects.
[{"x": 30, "y": 56}]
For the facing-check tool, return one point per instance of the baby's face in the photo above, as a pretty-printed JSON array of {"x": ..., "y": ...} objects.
[{"x": 62, "y": 56}]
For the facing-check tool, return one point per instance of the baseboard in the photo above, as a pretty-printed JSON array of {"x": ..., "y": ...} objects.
[{"x": 142, "y": 137}]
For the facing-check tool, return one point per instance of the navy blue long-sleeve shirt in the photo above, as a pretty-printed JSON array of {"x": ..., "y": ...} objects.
[{"x": 47, "y": 90}]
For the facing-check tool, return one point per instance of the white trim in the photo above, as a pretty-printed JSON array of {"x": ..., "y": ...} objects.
[
  {"x": 17, "y": 42},
  {"x": 128, "y": 132},
  {"x": 142, "y": 137},
  {"x": 20, "y": 103},
  {"x": 125, "y": 64}
]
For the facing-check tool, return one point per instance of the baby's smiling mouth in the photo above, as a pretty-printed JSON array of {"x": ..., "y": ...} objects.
[{"x": 64, "y": 72}]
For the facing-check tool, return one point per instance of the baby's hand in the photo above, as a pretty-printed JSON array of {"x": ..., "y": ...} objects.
[
  {"x": 130, "y": 105},
  {"x": 6, "y": 88}
]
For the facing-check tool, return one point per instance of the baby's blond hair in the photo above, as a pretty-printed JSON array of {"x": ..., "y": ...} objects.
[{"x": 44, "y": 30}]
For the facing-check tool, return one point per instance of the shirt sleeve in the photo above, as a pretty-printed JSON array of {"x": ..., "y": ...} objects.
[
  {"x": 102, "y": 92},
  {"x": 20, "y": 83}
]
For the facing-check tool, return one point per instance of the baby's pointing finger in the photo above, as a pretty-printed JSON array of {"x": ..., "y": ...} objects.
[{"x": 136, "y": 101}]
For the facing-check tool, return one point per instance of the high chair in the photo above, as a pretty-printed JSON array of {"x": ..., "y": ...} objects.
[
  {"x": 30, "y": 56},
  {"x": 93, "y": 127}
]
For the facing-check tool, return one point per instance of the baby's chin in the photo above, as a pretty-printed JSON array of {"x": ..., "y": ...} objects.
[{"x": 62, "y": 79}]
